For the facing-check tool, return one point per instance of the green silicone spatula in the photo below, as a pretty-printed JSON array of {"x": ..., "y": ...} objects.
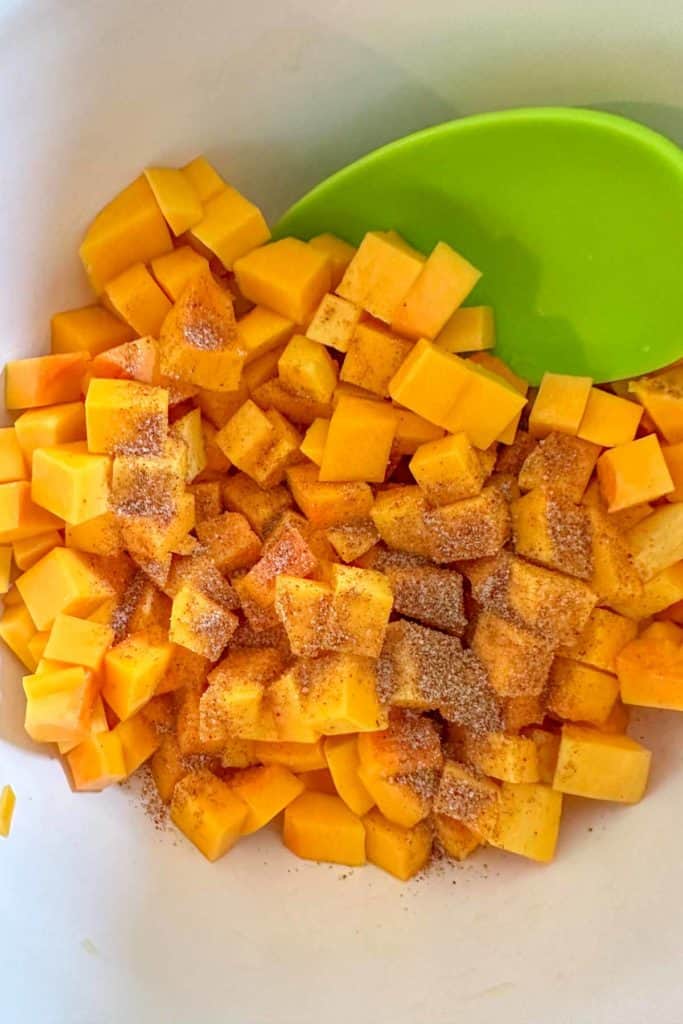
[{"x": 574, "y": 217}]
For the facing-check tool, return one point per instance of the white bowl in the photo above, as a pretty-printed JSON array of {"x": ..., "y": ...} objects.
[{"x": 104, "y": 920}]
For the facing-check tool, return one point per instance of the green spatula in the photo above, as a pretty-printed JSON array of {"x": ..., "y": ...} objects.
[{"x": 575, "y": 218}]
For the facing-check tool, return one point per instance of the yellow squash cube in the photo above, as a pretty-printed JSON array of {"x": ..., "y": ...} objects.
[
  {"x": 78, "y": 642},
  {"x": 266, "y": 790},
  {"x": 62, "y": 581},
  {"x": 45, "y": 428},
  {"x": 338, "y": 252},
  {"x": 138, "y": 300},
  {"x": 528, "y": 821},
  {"x": 176, "y": 269},
  {"x": 633, "y": 473},
  {"x": 200, "y": 623},
  {"x": 321, "y": 827},
  {"x": 581, "y": 693},
  {"x": 230, "y": 228},
  {"x": 400, "y": 851},
  {"x": 609, "y": 420},
  {"x": 560, "y": 404},
  {"x": 97, "y": 762},
  {"x": 125, "y": 417},
  {"x": 448, "y": 470},
  {"x": 288, "y": 276},
  {"x": 90, "y": 329},
  {"x": 334, "y": 322},
  {"x": 381, "y": 274},
  {"x": 341, "y": 754},
  {"x": 133, "y": 670},
  {"x": 373, "y": 357},
  {"x": 358, "y": 442},
  {"x": 306, "y": 368},
  {"x": 176, "y": 196},
  {"x": 446, "y": 279},
  {"x": 469, "y": 329},
  {"x": 71, "y": 482},
  {"x": 601, "y": 767},
  {"x": 208, "y": 812}
]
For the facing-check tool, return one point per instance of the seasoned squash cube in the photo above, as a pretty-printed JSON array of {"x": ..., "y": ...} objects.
[
  {"x": 528, "y": 821},
  {"x": 90, "y": 329},
  {"x": 656, "y": 542},
  {"x": 321, "y": 827},
  {"x": 231, "y": 706},
  {"x": 288, "y": 276},
  {"x": 399, "y": 515},
  {"x": 305, "y": 368},
  {"x": 341, "y": 694},
  {"x": 470, "y": 798},
  {"x": 455, "y": 839},
  {"x": 469, "y": 329},
  {"x": 362, "y": 602},
  {"x": 78, "y": 642},
  {"x": 412, "y": 431},
  {"x": 20, "y": 517},
  {"x": 45, "y": 380},
  {"x": 334, "y": 322},
  {"x": 560, "y": 404},
  {"x": 191, "y": 739},
  {"x": 208, "y": 812},
  {"x": 286, "y": 551},
  {"x": 133, "y": 670},
  {"x": 256, "y": 443},
  {"x": 45, "y": 428},
  {"x": 138, "y": 300},
  {"x": 341, "y": 754},
  {"x": 400, "y": 851},
  {"x": 62, "y": 581},
  {"x": 17, "y": 630},
  {"x": 409, "y": 745},
  {"x": 176, "y": 269},
  {"x": 176, "y": 196},
  {"x": 286, "y": 701},
  {"x": 313, "y": 444},
  {"x": 125, "y": 417},
  {"x": 266, "y": 790},
  {"x": 129, "y": 229},
  {"x": 167, "y": 767},
  {"x": 358, "y": 442},
  {"x": 550, "y": 529},
  {"x": 662, "y": 398},
  {"x": 486, "y": 405},
  {"x": 470, "y": 528},
  {"x": 12, "y": 462},
  {"x": 448, "y": 470},
  {"x": 298, "y": 757},
  {"x": 135, "y": 360},
  {"x": 260, "y": 507},
  {"x": 200, "y": 623},
  {"x": 199, "y": 343},
  {"x": 5, "y": 568},
  {"x": 230, "y": 228},
  {"x": 272, "y": 395},
  {"x": 353, "y": 540},
  {"x": 304, "y": 607},
  {"x": 373, "y": 356},
  {"x": 502, "y": 756},
  {"x": 547, "y": 748},
  {"x": 59, "y": 704},
  {"x": 432, "y": 595},
  {"x": 208, "y": 500},
  {"x": 381, "y": 274},
  {"x": 609, "y": 420},
  {"x": 99, "y": 536},
  {"x": 260, "y": 331},
  {"x": 229, "y": 541},
  {"x": 328, "y": 504},
  {"x": 338, "y": 252},
  {"x": 445, "y": 280},
  {"x": 416, "y": 666},
  {"x": 406, "y": 799},
  {"x": 188, "y": 431},
  {"x": 139, "y": 741},
  {"x": 650, "y": 668},
  {"x": 632, "y": 473},
  {"x": 517, "y": 660},
  {"x": 581, "y": 693},
  {"x": 603, "y": 637},
  {"x": 601, "y": 767},
  {"x": 97, "y": 762},
  {"x": 663, "y": 590},
  {"x": 70, "y": 482},
  {"x": 560, "y": 462}
]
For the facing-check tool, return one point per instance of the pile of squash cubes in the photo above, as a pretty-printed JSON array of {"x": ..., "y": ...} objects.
[{"x": 276, "y": 520}]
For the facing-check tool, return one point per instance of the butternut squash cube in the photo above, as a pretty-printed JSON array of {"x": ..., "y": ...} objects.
[
  {"x": 97, "y": 762},
  {"x": 175, "y": 270},
  {"x": 176, "y": 196},
  {"x": 353, "y": 540},
  {"x": 604, "y": 636},
  {"x": 381, "y": 273},
  {"x": 199, "y": 343},
  {"x": 517, "y": 660},
  {"x": 432, "y": 595},
  {"x": 650, "y": 668},
  {"x": 7, "y": 805},
  {"x": 208, "y": 812},
  {"x": 288, "y": 276},
  {"x": 20, "y": 517},
  {"x": 229, "y": 541},
  {"x": 503, "y": 756},
  {"x": 125, "y": 417},
  {"x": 405, "y": 801},
  {"x": 208, "y": 500},
  {"x": 550, "y": 529},
  {"x": 429, "y": 383},
  {"x": 448, "y": 470},
  {"x": 362, "y": 602},
  {"x": 261, "y": 330},
  {"x": 44, "y": 380},
  {"x": 218, "y": 406},
  {"x": 581, "y": 693},
  {"x": 328, "y": 504},
  {"x": 409, "y": 745},
  {"x": 200, "y": 623},
  {"x": 128, "y": 230},
  {"x": 272, "y": 395},
  {"x": 470, "y": 798},
  {"x": 662, "y": 398},
  {"x": 338, "y": 252},
  {"x": 663, "y": 590},
  {"x": 446, "y": 279},
  {"x": 5, "y": 568},
  {"x": 204, "y": 178},
  {"x": 304, "y": 607},
  {"x": 319, "y": 781},
  {"x": 133, "y": 669},
  {"x": 358, "y": 442},
  {"x": 321, "y": 827},
  {"x": 138, "y": 300},
  {"x": 341, "y": 754},
  {"x": 456, "y": 840},
  {"x": 399, "y": 516},
  {"x": 313, "y": 444},
  {"x": 45, "y": 428},
  {"x": 547, "y": 748},
  {"x": 259, "y": 444},
  {"x": 528, "y": 821},
  {"x": 656, "y": 542},
  {"x": 305, "y": 368},
  {"x": 560, "y": 404},
  {"x": 601, "y": 767},
  {"x": 632, "y": 473},
  {"x": 139, "y": 741},
  {"x": 17, "y": 630},
  {"x": 673, "y": 456},
  {"x": 609, "y": 420},
  {"x": 412, "y": 431},
  {"x": 12, "y": 462},
  {"x": 260, "y": 507},
  {"x": 334, "y": 322},
  {"x": 231, "y": 705},
  {"x": 168, "y": 767},
  {"x": 469, "y": 329},
  {"x": 230, "y": 228},
  {"x": 562, "y": 463},
  {"x": 342, "y": 694},
  {"x": 286, "y": 551},
  {"x": 286, "y": 700},
  {"x": 99, "y": 536},
  {"x": 89, "y": 329},
  {"x": 70, "y": 482},
  {"x": 470, "y": 528},
  {"x": 135, "y": 360},
  {"x": 373, "y": 357},
  {"x": 266, "y": 790},
  {"x": 62, "y": 581},
  {"x": 400, "y": 851},
  {"x": 486, "y": 404},
  {"x": 78, "y": 642},
  {"x": 298, "y": 757},
  {"x": 59, "y": 704},
  {"x": 263, "y": 370}
]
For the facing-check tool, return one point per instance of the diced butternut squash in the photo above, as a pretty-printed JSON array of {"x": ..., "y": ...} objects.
[
  {"x": 139, "y": 741},
  {"x": 272, "y": 395},
  {"x": 261, "y": 444},
  {"x": 469, "y": 329},
  {"x": 168, "y": 767},
  {"x": 261, "y": 330},
  {"x": 448, "y": 470},
  {"x": 334, "y": 322},
  {"x": 673, "y": 456},
  {"x": 319, "y": 781},
  {"x": 125, "y": 417},
  {"x": 175, "y": 270},
  {"x": 517, "y": 660},
  {"x": 633, "y": 473},
  {"x": 656, "y": 542},
  {"x": 135, "y": 360},
  {"x": 609, "y": 420},
  {"x": 208, "y": 812},
  {"x": 663, "y": 590},
  {"x": 381, "y": 274},
  {"x": 445, "y": 280},
  {"x": 400, "y": 851},
  {"x": 62, "y": 581},
  {"x": 17, "y": 630},
  {"x": 321, "y": 827},
  {"x": 328, "y": 504},
  {"x": 70, "y": 482},
  {"x": 176, "y": 196},
  {"x": 338, "y": 252},
  {"x": 650, "y": 668},
  {"x": 97, "y": 762},
  {"x": 288, "y": 276},
  {"x": 98, "y": 718},
  {"x": 200, "y": 623},
  {"x": 298, "y": 757},
  {"x": 45, "y": 428},
  {"x": 306, "y": 368},
  {"x": 560, "y": 404},
  {"x": 12, "y": 462},
  {"x": 341, "y": 754},
  {"x": 528, "y": 821},
  {"x": 138, "y": 300},
  {"x": 5, "y": 568},
  {"x": 469, "y": 797},
  {"x": 428, "y": 383},
  {"x": 59, "y": 704},
  {"x": 7, "y": 805},
  {"x": 412, "y": 431},
  {"x": 230, "y": 228},
  {"x": 20, "y": 517},
  {"x": 601, "y": 767},
  {"x": 204, "y": 178},
  {"x": 560, "y": 462},
  {"x": 313, "y": 444},
  {"x": 133, "y": 669},
  {"x": 342, "y": 694},
  {"x": 90, "y": 329},
  {"x": 662, "y": 398},
  {"x": 547, "y": 748},
  {"x": 486, "y": 405},
  {"x": 99, "y": 536},
  {"x": 78, "y": 642},
  {"x": 44, "y": 380},
  {"x": 456, "y": 840},
  {"x": 361, "y": 601},
  {"x": 347, "y": 455},
  {"x": 550, "y": 529},
  {"x": 506, "y": 757},
  {"x": 266, "y": 790},
  {"x": 373, "y": 357},
  {"x": 581, "y": 693},
  {"x": 603, "y": 637}
]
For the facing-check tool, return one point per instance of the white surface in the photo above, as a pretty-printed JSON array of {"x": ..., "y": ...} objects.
[{"x": 103, "y": 921}]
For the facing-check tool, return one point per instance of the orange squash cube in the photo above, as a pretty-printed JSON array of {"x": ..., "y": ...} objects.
[
  {"x": 260, "y": 507},
  {"x": 400, "y": 851},
  {"x": 304, "y": 607},
  {"x": 176, "y": 197},
  {"x": 230, "y": 228},
  {"x": 486, "y": 404},
  {"x": 133, "y": 669},
  {"x": 17, "y": 630},
  {"x": 45, "y": 428},
  {"x": 373, "y": 357},
  {"x": 288, "y": 276},
  {"x": 313, "y": 444},
  {"x": 99, "y": 536},
  {"x": 412, "y": 431},
  {"x": 560, "y": 404},
  {"x": 175, "y": 270},
  {"x": 399, "y": 516},
  {"x": 663, "y": 590},
  {"x": 405, "y": 802},
  {"x": 354, "y": 540},
  {"x": 603, "y": 637},
  {"x": 673, "y": 456},
  {"x": 362, "y": 601},
  {"x": 262, "y": 370},
  {"x": 448, "y": 470},
  {"x": 599, "y": 766},
  {"x": 266, "y": 790},
  {"x": 634, "y": 472},
  {"x": 128, "y": 230},
  {"x": 138, "y": 300},
  {"x": 78, "y": 642},
  {"x": 609, "y": 420},
  {"x": 455, "y": 839},
  {"x": 469, "y": 329},
  {"x": 338, "y": 252},
  {"x": 200, "y": 623},
  {"x": 97, "y": 762},
  {"x": 286, "y": 701},
  {"x": 204, "y": 178},
  {"x": 650, "y": 668},
  {"x": 230, "y": 542},
  {"x": 581, "y": 693},
  {"x": 528, "y": 821},
  {"x": 502, "y": 756},
  {"x": 125, "y": 417},
  {"x": 89, "y": 329},
  {"x": 662, "y": 398},
  {"x": 208, "y": 812},
  {"x": 261, "y": 330},
  {"x": 562, "y": 463},
  {"x": 44, "y": 380},
  {"x": 135, "y": 360},
  {"x": 59, "y": 704},
  {"x": 429, "y": 383},
  {"x": 328, "y": 504},
  {"x": 70, "y": 482},
  {"x": 381, "y": 273},
  {"x": 550, "y": 529},
  {"x": 306, "y": 368},
  {"x": 261, "y": 444},
  {"x": 341, "y": 754},
  {"x": 445, "y": 280},
  {"x": 409, "y": 745},
  {"x": 272, "y": 395},
  {"x": 469, "y": 798},
  {"x": 62, "y": 581},
  {"x": 517, "y": 660},
  {"x": 139, "y": 741},
  {"x": 321, "y": 827},
  {"x": 334, "y": 322},
  {"x": 342, "y": 694},
  {"x": 358, "y": 442},
  {"x": 12, "y": 462},
  {"x": 231, "y": 706}
]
